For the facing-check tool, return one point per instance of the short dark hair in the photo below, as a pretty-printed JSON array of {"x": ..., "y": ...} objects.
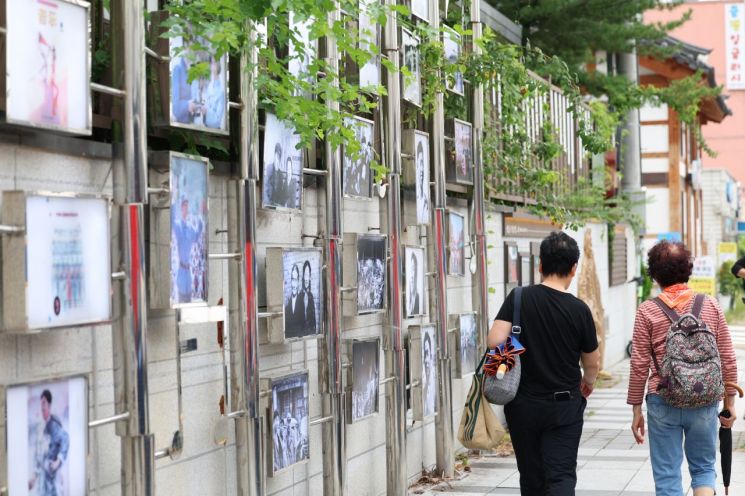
[
  {"x": 278, "y": 149},
  {"x": 669, "y": 263},
  {"x": 46, "y": 394},
  {"x": 559, "y": 253}
]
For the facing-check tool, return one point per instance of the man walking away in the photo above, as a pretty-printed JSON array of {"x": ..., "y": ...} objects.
[{"x": 545, "y": 418}]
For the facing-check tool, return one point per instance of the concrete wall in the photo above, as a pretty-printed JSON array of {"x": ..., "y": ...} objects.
[{"x": 719, "y": 214}]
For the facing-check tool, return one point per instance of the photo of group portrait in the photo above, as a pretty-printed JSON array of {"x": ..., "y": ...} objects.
[
  {"x": 47, "y": 437},
  {"x": 414, "y": 288},
  {"x": 357, "y": 174},
  {"x": 289, "y": 421},
  {"x": 456, "y": 244},
  {"x": 371, "y": 271},
  {"x": 302, "y": 292},
  {"x": 463, "y": 166},
  {"x": 282, "y": 183},
  {"x": 412, "y": 82},
  {"x": 199, "y": 103},
  {"x": 365, "y": 378},
  {"x": 47, "y": 65},
  {"x": 189, "y": 228}
]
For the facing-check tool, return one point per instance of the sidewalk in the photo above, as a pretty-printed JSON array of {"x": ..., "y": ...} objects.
[{"x": 610, "y": 463}]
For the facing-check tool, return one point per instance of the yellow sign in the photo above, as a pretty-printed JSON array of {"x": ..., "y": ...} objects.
[
  {"x": 705, "y": 285},
  {"x": 729, "y": 248}
]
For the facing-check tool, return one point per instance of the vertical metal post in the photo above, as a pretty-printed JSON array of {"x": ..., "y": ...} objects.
[
  {"x": 334, "y": 439},
  {"x": 128, "y": 251},
  {"x": 395, "y": 360},
  {"x": 243, "y": 287},
  {"x": 479, "y": 279},
  {"x": 438, "y": 305}
]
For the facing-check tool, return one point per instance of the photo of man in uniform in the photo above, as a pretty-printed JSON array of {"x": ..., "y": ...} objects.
[{"x": 50, "y": 444}]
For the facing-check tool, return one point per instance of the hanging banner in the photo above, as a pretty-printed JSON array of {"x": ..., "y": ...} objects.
[{"x": 734, "y": 28}]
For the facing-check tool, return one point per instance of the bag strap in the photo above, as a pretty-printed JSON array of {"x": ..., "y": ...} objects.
[
  {"x": 516, "y": 328},
  {"x": 698, "y": 305},
  {"x": 671, "y": 314},
  {"x": 481, "y": 363}
]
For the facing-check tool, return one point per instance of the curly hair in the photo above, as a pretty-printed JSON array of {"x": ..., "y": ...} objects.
[{"x": 669, "y": 263}]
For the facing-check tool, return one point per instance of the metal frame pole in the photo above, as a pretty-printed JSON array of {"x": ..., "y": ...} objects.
[
  {"x": 334, "y": 432},
  {"x": 128, "y": 252},
  {"x": 438, "y": 305},
  {"x": 243, "y": 287},
  {"x": 479, "y": 280},
  {"x": 396, "y": 480}
]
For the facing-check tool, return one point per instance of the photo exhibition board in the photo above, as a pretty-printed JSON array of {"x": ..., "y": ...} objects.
[
  {"x": 202, "y": 103},
  {"x": 47, "y": 434},
  {"x": 364, "y": 383},
  {"x": 289, "y": 422},
  {"x": 301, "y": 51},
  {"x": 189, "y": 177},
  {"x": 414, "y": 270},
  {"x": 467, "y": 343},
  {"x": 451, "y": 41},
  {"x": 357, "y": 173},
  {"x": 368, "y": 39},
  {"x": 417, "y": 172},
  {"x": 423, "y": 367},
  {"x": 456, "y": 244},
  {"x": 412, "y": 82},
  {"x": 420, "y": 9},
  {"x": 48, "y": 65},
  {"x": 68, "y": 268},
  {"x": 372, "y": 253},
  {"x": 282, "y": 182},
  {"x": 463, "y": 173}
]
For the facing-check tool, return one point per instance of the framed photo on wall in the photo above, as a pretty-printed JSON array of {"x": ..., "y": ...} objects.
[
  {"x": 460, "y": 168},
  {"x": 47, "y": 435},
  {"x": 369, "y": 40},
  {"x": 357, "y": 173},
  {"x": 412, "y": 82},
  {"x": 288, "y": 418},
  {"x": 420, "y": 9},
  {"x": 202, "y": 103},
  {"x": 372, "y": 252},
  {"x": 456, "y": 244},
  {"x": 47, "y": 58},
  {"x": 58, "y": 273},
  {"x": 282, "y": 182},
  {"x": 299, "y": 299},
  {"x": 364, "y": 380},
  {"x": 414, "y": 302},
  {"x": 423, "y": 360},
  {"x": 301, "y": 52},
  {"x": 452, "y": 46},
  {"x": 416, "y": 173},
  {"x": 466, "y": 341}
]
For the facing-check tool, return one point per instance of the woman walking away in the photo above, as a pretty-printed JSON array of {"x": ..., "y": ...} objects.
[{"x": 683, "y": 340}]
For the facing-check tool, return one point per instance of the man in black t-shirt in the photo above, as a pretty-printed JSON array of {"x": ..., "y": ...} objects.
[{"x": 545, "y": 418}]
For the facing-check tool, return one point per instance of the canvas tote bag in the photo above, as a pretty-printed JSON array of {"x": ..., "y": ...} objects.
[{"x": 479, "y": 426}]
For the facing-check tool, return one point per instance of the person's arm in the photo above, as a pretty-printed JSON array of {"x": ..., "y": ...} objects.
[
  {"x": 738, "y": 270},
  {"x": 729, "y": 364},
  {"x": 639, "y": 373},
  {"x": 502, "y": 326},
  {"x": 590, "y": 368}
]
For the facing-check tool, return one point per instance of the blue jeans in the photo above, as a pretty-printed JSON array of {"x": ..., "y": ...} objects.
[{"x": 673, "y": 430}]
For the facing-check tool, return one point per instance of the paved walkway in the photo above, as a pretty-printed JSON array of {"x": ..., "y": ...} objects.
[{"x": 610, "y": 463}]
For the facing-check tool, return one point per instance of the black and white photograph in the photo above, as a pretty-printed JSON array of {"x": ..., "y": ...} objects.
[
  {"x": 200, "y": 103},
  {"x": 365, "y": 378},
  {"x": 302, "y": 293},
  {"x": 289, "y": 421},
  {"x": 421, "y": 157},
  {"x": 463, "y": 152},
  {"x": 429, "y": 371},
  {"x": 412, "y": 82},
  {"x": 452, "y": 47},
  {"x": 283, "y": 166},
  {"x": 456, "y": 245},
  {"x": 368, "y": 36},
  {"x": 420, "y": 9},
  {"x": 371, "y": 276},
  {"x": 47, "y": 435},
  {"x": 467, "y": 345},
  {"x": 357, "y": 177},
  {"x": 301, "y": 50},
  {"x": 414, "y": 271}
]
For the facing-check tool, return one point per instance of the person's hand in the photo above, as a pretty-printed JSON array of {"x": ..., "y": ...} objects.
[
  {"x": 637, "y": 425},
  {"x": 727, "y": 422},
  {"x": 585, "y": 388},
  {"x": 54, "y": 464}
]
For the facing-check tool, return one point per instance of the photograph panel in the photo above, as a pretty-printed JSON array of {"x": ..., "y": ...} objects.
[
  {"x": 366, "y": 378},
  {"x": 289, "y": 418},
  {"x": 463, "y": 152},
  {"x": 414, "y": 288},
  {"x": 302, "y": 293},
  {"x": 69, "y": 279},
  {"x": 368, "y": 36},
  {"x": 189, "y": 228},
  {"x": 412, "y": 83},
  {"x": 48, "y": 73},
  {"x": 47, "y": 433},
  {"x": 468, "y": 343},
  {"x": 421, "y": 157},
  {"x": 371, "y": 273},
  {"x": 420, "y": 9},
  {"x": 429, "y": 371},
  {"x": 200, "y": 103},
  {"x": 282, "y": 183},
  {"x": 357, "y": 175},
  {"x": 456, "y": 244},
  {"x": 452, "y": 47}
]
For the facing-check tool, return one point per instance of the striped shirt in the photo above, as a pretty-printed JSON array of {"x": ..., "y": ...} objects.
[{"x": 652, "y": 322}]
